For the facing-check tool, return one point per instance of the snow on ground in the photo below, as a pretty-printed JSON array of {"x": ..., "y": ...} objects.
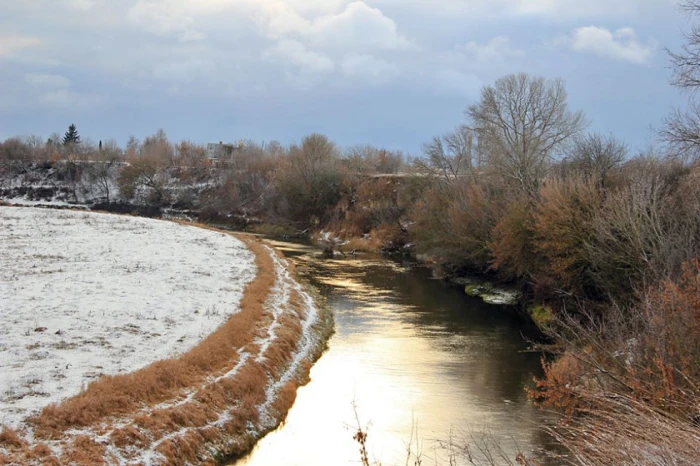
[
  {"x": 85, "y": 294},
  {"x": 22, "y": 201}
]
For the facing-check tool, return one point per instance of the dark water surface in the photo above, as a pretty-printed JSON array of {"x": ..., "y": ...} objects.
[{"x": 421, "y": 361}]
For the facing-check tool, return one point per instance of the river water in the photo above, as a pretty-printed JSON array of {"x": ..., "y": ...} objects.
[{"x": 419, "y": 363}]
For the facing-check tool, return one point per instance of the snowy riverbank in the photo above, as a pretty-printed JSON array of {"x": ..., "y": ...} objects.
[{"x": 87, "y": 295}]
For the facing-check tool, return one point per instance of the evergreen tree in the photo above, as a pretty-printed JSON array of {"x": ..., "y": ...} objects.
[{"x": 71, "y": 136}]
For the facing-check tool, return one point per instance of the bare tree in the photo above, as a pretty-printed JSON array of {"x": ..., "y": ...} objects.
[
  {"x": 359, "y": 159},
  {"x": 15, "y": 152},
  {"x": 521, "y": 121},
  {"x": 451, "y": 155},
  {"x": 366, "y": 160},
  {"x": 595, "y": 155},
  {"x": 310, "y": 178},
  {"x": 686, "y": 64},
  {"x": 312, "y": 157},
  {"x": 147, "y": 171},
  {"x": 682, "y": 128},
  {"x": 104, "y": 167}
]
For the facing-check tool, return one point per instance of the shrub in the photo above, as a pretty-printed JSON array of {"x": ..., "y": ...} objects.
[
  {"x": 631, "y": 368},
  {"x": 512, "y": 246},
  {"x": 454, "y": 223},
  {"x": 309, "y": 181},
  {"x": 639, "y": 235},
  {"x": 563, "y": 230}
]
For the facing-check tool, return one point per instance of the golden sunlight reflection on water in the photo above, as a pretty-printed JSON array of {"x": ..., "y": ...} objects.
[{"x": 411, "y": 355}]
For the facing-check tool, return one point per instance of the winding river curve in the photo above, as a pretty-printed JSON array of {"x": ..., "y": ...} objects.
[{"x": 420, "y": 362}]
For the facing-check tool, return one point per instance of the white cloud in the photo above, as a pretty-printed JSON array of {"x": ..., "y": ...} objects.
[
  {"x": 55, "y": 81},
  {"x": 621, "y": 44},
  {"x": 357, "y": 27},
  {"x": 281, "y": 19},
  {"x": 351, "y": 38},
  {"x": 294, "y": 52},
  {"x": 11, "y": 44}
]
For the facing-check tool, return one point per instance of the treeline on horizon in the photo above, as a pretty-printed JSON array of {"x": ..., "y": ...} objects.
[
  {"x": 606, "y": 243},
  {"x": 566, "y": 214}
]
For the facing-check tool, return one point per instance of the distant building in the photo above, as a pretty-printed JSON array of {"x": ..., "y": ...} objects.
[{"x": 218, "y": 151}]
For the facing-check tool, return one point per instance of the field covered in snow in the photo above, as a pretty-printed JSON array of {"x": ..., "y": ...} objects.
[{"x": 84, "y": 295}]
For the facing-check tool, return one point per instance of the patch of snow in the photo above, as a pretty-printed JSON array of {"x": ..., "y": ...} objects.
[
  {"x": 19, "y": 201},
  {"x": 488, "y": 293},
  {"x": 501, "y": 297},
  {"x": 84, "y": 295}
]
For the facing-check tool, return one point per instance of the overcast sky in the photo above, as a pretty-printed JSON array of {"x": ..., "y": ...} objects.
[{"x": 387, "y": 72}]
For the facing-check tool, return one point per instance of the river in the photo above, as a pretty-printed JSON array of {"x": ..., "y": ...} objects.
[{"x": 418, "y": 363}]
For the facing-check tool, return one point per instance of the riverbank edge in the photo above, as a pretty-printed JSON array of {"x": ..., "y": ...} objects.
[
  {"x": 326, "y": 329},
  {"x": 506, "y": 296},
  {"x": 322, "y": 329}
]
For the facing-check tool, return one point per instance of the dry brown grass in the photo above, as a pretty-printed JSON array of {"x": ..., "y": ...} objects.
[
  {"x": 84, "y": 451},
  {"x": 10, "y": 439},
  {"x": 138, "y": 411},
  {"x": 621, "y": 431},
  {"x": 371, "y": 243}
]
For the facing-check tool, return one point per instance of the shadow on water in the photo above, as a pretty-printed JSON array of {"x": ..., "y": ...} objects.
[{"x": 414, "y": 355}]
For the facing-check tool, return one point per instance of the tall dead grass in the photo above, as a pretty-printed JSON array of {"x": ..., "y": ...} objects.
[{"x": 622, "y": 431}]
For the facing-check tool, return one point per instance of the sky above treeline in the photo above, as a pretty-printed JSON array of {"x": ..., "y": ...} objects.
[{"x": 391, "y": 73}]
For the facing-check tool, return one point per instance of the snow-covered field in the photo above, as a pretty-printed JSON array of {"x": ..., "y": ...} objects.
[{"x": 85, "y": 294}]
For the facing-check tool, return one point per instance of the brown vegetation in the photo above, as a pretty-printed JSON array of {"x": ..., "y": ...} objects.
[{"x": 629, "y": 382}]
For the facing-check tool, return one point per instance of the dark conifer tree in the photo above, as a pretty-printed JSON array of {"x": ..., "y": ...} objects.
[{"x": 71, "y": 136}]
